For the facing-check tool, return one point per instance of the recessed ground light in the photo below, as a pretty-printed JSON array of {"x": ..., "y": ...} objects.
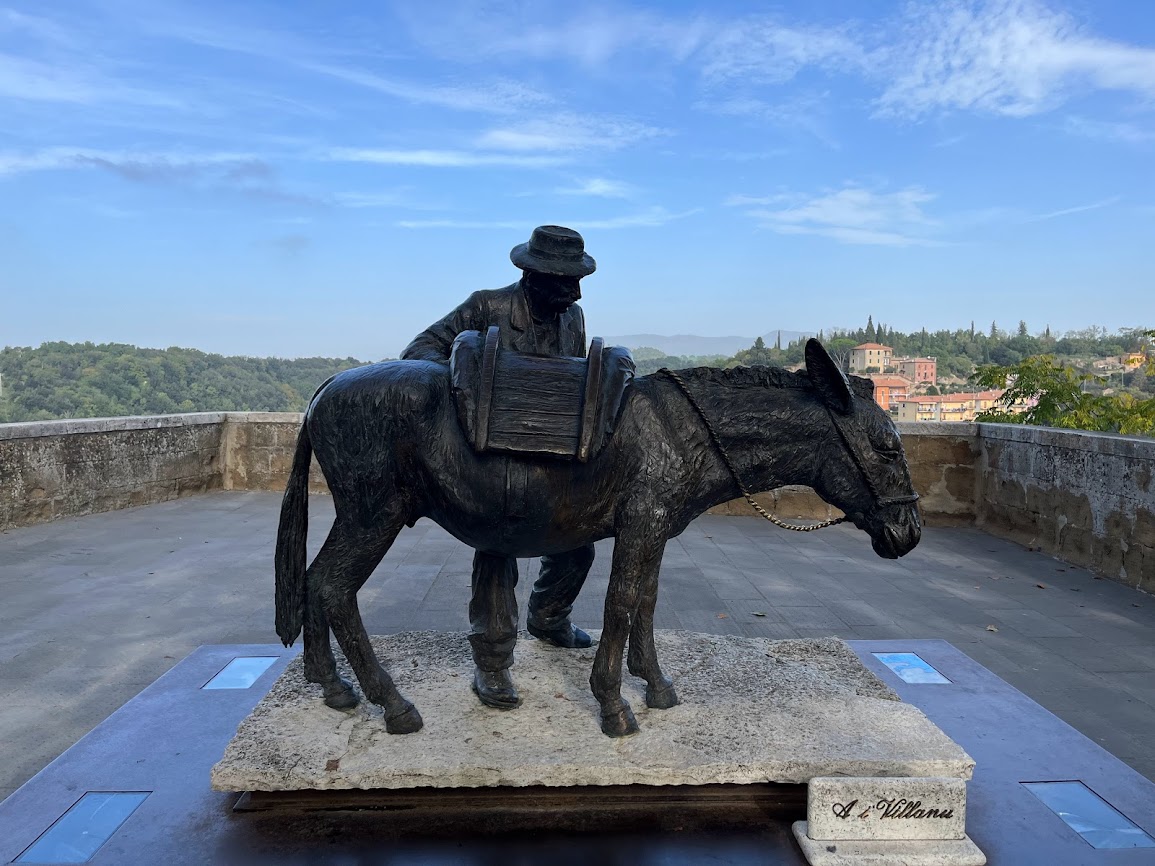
[
  {"x": 911, "y": 668},
  {"x": 240, "y": 673},
  {"x": 1099, "y": 823},
  {"x": 78, "y": 833}
]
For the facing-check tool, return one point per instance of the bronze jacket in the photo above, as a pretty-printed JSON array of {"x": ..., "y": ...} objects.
[{"x": 509, "y": 310}]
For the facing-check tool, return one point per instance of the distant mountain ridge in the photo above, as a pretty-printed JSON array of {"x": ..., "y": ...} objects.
[{"x": 692, "y": 344}]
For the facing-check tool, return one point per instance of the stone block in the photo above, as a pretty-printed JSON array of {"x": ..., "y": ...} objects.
[
  {"x": 260, "y": 435},
  {"x": 926, "y": 478},
  {"x": 942, "y": 451},
  {"x": 959, "y": 852},
  {"x": 841, "y": 808},
  {"x": 960, "y": 484},
  {"x": 1144, "y": 527},
  {"x": 1075, "y": 543}
]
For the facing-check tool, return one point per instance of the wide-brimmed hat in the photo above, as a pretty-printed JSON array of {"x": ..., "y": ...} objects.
[{"x": 554, "y": 250}]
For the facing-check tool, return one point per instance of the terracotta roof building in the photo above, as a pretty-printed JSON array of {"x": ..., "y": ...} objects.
[
  {"x": 867, "y": 355},
  {"x": 888, "y": 390}
]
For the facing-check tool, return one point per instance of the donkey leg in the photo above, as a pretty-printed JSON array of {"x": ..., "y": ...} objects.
[
  {"x": 357, "y": 553},
  {"x": 320, "y": 666},
  {"x": 643, "y": 655},
  {"x": 634, "y": 557}
]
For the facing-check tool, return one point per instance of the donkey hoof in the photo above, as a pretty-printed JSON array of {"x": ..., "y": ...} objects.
[
  {"x": 661, "y": 698},
  {"x": 340, "y": 695},
  {"x": 407, "y": 721},
  {"x": 620, "y": 724}
]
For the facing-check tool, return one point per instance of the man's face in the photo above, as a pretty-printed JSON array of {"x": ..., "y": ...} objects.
[{"x": 555, "y": 293}]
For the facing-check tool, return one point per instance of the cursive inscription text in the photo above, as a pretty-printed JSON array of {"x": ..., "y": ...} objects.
[{"x": 892, "y": 809}]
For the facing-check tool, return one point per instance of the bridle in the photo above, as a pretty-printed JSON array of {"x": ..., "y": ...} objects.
[{"x": 879, "y": 501}]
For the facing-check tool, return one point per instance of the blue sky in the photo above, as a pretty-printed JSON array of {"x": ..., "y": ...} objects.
[{"x": 302, "y": 178}]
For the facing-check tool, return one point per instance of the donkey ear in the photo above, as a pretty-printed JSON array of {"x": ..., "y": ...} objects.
[{"x": 830, "y": 382}]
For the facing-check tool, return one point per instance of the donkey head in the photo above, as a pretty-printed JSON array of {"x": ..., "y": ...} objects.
[{"x": 862, "y": 468}]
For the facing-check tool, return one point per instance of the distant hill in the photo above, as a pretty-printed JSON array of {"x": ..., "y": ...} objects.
[
  {"x": 87, "y": 380},
  {"x": 692, "y": 344}
]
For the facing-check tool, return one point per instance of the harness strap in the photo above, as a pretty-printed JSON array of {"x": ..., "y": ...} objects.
[
  {"x": 881, "y": 501},
  {"x": 734, "y": 473}
]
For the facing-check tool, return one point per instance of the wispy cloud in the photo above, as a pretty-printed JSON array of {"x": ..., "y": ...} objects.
[
  {"x": 763, "y": 50},
  {"x": 388, "y": 198},
  {"x": 498, "y": 95},
  {"x": 243, "y": 174},
  {"x": 1107, "y": 202},
  {"x": 806, "y": 113},
  {"x": 441, "y": 158},
  {"x": 461, "y": 224},
  {"x": 42, "y": 61},
  {"x": 132, "y": 165},
  {"x": 650, "y": 218},
  {"x": 467, "y": 31},
  {"x": 29, "y": 80},
  {"x": 949, "y": 141},
  {"x": 852, "y": 215},
  {"x": 568, "y": 132},
  {"x": 599, "y": 187},
  {"x": 35, "y": 26},
  {"x": 1106, "y": 130},
  {"x": 1009, "y": 57}
]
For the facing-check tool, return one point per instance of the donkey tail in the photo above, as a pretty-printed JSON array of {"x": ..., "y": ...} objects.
[{"x": 291, "y": 534}]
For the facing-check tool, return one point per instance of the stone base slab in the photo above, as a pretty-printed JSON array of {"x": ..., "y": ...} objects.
[
  {"x": 950, "y": 852},
  {"x": 752, "y": 711},
  {"x": 425, "y": 813}
]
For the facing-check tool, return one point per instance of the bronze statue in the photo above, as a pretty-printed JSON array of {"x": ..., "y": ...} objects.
[
  {"x": 537, "y": 315},
  {"x": 392, "y": 449}
]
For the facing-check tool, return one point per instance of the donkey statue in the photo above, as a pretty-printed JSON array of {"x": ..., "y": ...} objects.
[{"x": 388, "y": 442}]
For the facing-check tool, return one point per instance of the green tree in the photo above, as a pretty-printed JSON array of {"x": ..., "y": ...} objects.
[
  {"x": 757, "y": 355},
  {"x": 1056, "y": 395}
]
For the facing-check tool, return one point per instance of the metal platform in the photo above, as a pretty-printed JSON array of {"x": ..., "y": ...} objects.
[{"x": 161, "y": 745}]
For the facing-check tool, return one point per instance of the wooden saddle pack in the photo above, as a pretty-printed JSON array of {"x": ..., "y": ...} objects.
[{"x": 539, "y": 405}]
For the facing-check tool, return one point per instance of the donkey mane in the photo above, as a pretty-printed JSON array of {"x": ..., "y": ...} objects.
[{"x": 763, "y": 377}]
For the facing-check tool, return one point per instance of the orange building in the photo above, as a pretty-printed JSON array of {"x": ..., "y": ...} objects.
[
  {"x": 868, "y": 355},
  {"x": 889, "y": 390}
]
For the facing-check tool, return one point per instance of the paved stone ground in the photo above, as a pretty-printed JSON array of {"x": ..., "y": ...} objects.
[{"x": 93, "y": 609}]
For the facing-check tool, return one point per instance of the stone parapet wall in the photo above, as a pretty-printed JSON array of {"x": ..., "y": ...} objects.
[
  {"x": 1087, "y": 498},
  {"x": 53, "y": 469}
]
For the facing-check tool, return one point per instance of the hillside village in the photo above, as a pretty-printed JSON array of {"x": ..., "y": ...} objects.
[{"x": 909, "y": 387}]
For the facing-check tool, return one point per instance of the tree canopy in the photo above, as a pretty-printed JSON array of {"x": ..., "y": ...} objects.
[
  {"x": 84, "y": 380},
  {"x": 87, "y": 380},
  {"x": 1060, "y": 398}
]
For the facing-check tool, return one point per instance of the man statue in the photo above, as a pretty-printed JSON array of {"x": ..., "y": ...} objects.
[{"x": 537, "y": 314}]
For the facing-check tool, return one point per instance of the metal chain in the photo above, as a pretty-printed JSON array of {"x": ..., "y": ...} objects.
[{"x": 734, "y": 473}]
